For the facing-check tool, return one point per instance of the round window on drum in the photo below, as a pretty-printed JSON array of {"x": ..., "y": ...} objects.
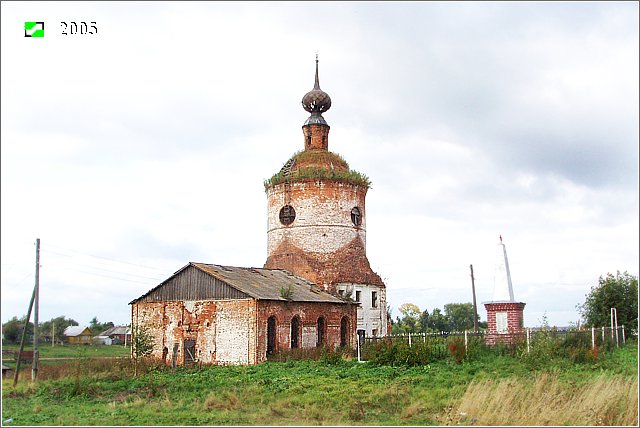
[{"x": 287, "y": 215}]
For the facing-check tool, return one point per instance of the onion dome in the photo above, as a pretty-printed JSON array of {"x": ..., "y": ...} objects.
[{"x": 316, "y": 102}]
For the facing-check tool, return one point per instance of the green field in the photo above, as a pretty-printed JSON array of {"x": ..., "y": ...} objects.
[
  {"x": 490, "y": 389},
  {"x": 66, "y": 351}
]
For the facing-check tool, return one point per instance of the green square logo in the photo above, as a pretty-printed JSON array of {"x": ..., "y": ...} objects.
[{"x": 34, "y": 29}]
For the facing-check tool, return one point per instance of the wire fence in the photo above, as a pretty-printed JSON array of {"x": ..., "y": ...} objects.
[{"x": 438, "y": 344}]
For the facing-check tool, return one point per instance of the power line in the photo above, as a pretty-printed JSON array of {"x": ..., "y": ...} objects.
[
  {"x": 111, "y": 277},
  {"x": 160, "y": 275},
  {"x": 101, "y": 257}
]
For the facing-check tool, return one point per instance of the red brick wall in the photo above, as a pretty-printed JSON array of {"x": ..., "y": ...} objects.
[
  {"x": 309, "y": 314},
  {"x": 515, "y": 321}
]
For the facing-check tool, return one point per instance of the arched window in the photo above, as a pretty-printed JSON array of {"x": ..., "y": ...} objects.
[
  {"x": 295, "y": 332},
  {"x": 344, "y": 331},
  {"x": 321, "y": 331},
  {"x": 271, "y": 335}
]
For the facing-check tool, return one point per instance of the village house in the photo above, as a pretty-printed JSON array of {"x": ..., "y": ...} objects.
[
  {"x": 76, "y": 335},
  {"x": 118, "y": 334}
]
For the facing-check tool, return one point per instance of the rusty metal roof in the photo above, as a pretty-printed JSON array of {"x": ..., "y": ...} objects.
[{"x": 258, "y": 283}]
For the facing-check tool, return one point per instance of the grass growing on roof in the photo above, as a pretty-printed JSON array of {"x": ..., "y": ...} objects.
[{"x": 340, "y": 173}]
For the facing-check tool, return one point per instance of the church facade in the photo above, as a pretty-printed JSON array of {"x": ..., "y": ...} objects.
[{"x": 316, "y": 287}]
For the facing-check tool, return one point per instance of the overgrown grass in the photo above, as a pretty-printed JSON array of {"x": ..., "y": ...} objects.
[
  {"x": 334, "y": 391},
  {"x": 547, "y": 400},
  {"x": 339, "y": 173}
]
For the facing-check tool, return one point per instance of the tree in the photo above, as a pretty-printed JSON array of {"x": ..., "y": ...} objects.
[
  {"x": 12, "y": 329},
  {"x": 141, "y": 344},
  {"x": 459, "y": 316},
  {"x": 437, "y": 322},
  {"x": 97, "y": 327},
  {"x": 620, "y": 292},
  {"x": 410, "y": 322},
  {"x": 59, "y": 324}
]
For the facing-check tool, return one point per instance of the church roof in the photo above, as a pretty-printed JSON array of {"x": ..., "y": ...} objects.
[{"x": 240, "y": 282}]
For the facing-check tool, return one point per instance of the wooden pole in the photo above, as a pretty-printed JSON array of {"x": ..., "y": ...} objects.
[
  {"x": 24, "y": 335},
  {"x": 475, "y": 307},
  {"x": 34, "y": 367}
]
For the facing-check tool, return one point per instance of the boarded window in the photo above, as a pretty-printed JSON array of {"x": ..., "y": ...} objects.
[
  {"x": 344, "y": 331},
  {"x": 321, "y": 331},
  {"x": 501, "y": 322},
  {"x": 295, "y": 332},
  {"x": 189, "y": 351},
  {"x": 271, "y": 335}
]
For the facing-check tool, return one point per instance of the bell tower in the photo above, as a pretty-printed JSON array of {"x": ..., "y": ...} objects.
[{"x": 316, "y": 225}]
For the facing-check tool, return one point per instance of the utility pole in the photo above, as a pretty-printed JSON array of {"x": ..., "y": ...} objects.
[
  {"x": 34, "y": 367},
  {"x": 475, "y": 308},
  {"x": 53, "y": 334}
]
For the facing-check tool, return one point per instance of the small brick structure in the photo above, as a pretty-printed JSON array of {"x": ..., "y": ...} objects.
[
  {"x": 505, "y": 322},
  {"x": 505, "y": 316}
]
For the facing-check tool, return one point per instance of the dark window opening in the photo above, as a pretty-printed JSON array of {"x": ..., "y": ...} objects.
[
  {"x": 295, "y": 332},
  {"x": 271, "y": 335},
  {"x": 356, "y": 217},
  {"x": 358, "y": 296},
  {"x": 374, "y": 299},
  {"x": 344, "y": 331},
  {"x": 287, "y": 215},
  {"x": 189, "y": 351},
  {"x": 165, "y": 352},
  {"x": 321, "y": 331}
]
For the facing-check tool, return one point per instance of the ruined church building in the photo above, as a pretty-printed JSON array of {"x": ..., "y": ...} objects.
[{"x": 316, "y": 288}]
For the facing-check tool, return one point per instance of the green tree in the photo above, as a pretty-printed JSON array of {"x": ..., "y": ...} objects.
[
  {"x": 620, "y": 292},
  {"x": 410, "y": 322},
  {"x": 97, "y": 327},
  {"x": 437, "y": 322},
  {"x": 54, "y": 328},
  {"x": 141, "y": 344},
  {"x": 459, "y": 316},
  {"x": 12, "y": 329}
]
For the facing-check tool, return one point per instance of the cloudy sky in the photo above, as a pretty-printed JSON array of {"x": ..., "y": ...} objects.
[{"x": 135, "y": 150}]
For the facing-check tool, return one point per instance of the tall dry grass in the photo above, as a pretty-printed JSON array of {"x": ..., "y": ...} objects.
[{"x": 545, "y": 400}]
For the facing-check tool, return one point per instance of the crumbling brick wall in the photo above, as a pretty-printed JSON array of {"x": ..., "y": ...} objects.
[
  {"x": 223, "y": 330},
  {"x": 308, "y": 314}
]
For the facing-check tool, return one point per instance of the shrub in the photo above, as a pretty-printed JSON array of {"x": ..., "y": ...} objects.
[{"x": 457, "y": 349}]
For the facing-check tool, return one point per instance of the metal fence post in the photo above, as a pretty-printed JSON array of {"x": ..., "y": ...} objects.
[
  {"x": 593, "y": 337},
  {"x": 409, "y": 339},
  {"x": 528, "y": 339},
  {"x": 358, "y": 348},
  {"x": 602, "y": 335},
  {"x": 465, "y": 341},
  {"x": 623, "y": 335},
  {"x": 424, "y": 337}
]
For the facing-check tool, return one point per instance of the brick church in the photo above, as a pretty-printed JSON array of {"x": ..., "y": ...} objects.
[{"x": 316, "y": 287}]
